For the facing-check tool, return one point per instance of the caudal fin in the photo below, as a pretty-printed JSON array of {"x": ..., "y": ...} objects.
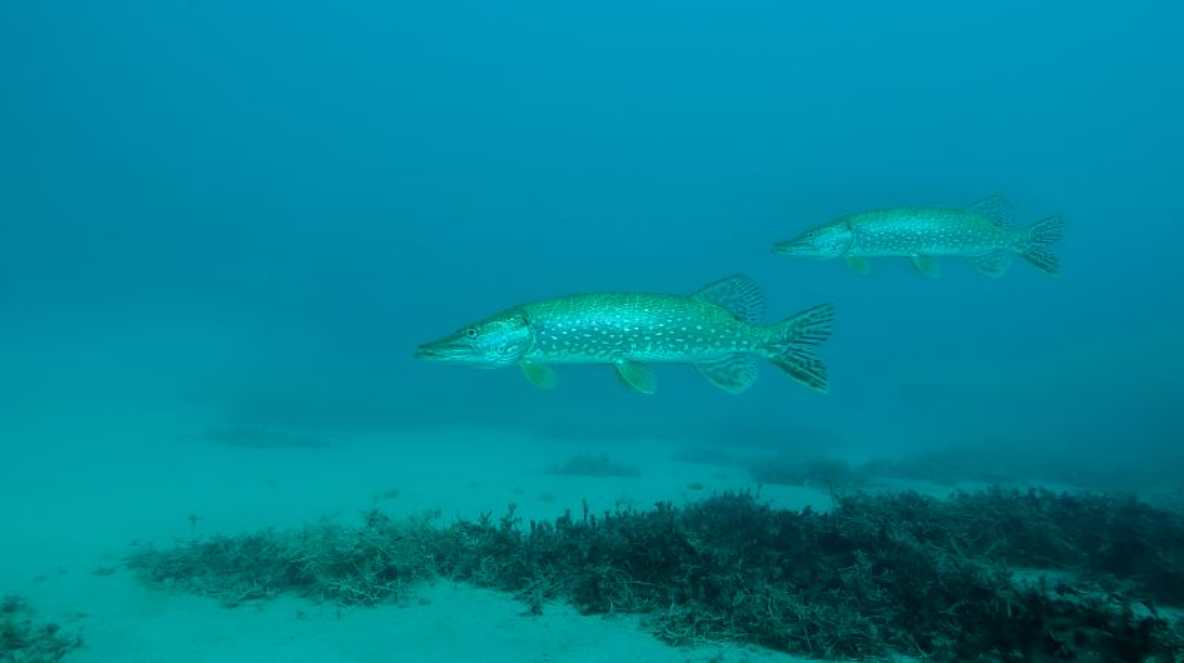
[
  {"x": 791, "y": 347},
  {"x": 1036, "y": 244}
]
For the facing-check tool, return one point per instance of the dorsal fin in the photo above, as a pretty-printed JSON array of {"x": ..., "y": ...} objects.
[
  {"x": 738, "y": 294},
  {"x": 995, "y": 207}
]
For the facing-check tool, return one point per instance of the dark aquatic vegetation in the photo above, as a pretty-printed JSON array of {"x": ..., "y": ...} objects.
[
  {"x": 815, "y": 471},
  {"x": 25, "y": 637},
  {"x": 981, "y": 233},
  {"x": 717, "y": 329},
  {"x": 875, "y": 576},
  {"x": 594, "y": 466}
]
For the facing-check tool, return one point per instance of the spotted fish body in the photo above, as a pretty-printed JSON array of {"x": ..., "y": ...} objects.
[
  {"x": 980, "y": 234},
  {"x": 927, "y": 232},
  {"x": 606, "y": 328},
  {"x": 716, "y": 329}
]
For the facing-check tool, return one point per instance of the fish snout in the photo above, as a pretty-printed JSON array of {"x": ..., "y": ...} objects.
[
  {"x": 792, "y": 247},
  {"x": 452, "y": 348},
  {"x": 426, "y": 351},
  {"x": 438, "y": 350}
]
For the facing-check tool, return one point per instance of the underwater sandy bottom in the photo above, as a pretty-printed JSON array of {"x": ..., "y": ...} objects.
[{"x": 76, "y": 503}]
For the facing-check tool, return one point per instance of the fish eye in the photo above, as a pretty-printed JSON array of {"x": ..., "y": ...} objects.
[{"x": 471, "y": 332}]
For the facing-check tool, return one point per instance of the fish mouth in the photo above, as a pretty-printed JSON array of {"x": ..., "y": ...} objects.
[
  {"x": 792, "y": 247},
  {"x": 442, "y": 351},
  {"x": 426, "y": 352}
]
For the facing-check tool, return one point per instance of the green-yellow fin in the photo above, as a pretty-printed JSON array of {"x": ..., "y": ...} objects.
[
  {"x": 995, "y": 207},
  {"x": 926, "y": 265},
  {"x": 993, "y": 264},
  {"x": 637, "y": 377},
  {"x": 793, "y": 341},
  {"x": 738, "y": 294},
  {"x": 733, "y": 373},
  {"x": 859, "y": 264},
  {"x": 540, "y": 375},
  {"x": 803, "y": 367},
  {"x": 1036, "y": 244}
]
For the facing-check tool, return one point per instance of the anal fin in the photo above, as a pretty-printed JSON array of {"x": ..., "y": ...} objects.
[
  {"x": 733, "y": 373},
  {"x": 859, "y": 264},
  {"x": 993, "y": 264},
  {"x": 637, "y": 376},
  {"x": 540, "y": 375},
  {"x": 926, "y": 265}
]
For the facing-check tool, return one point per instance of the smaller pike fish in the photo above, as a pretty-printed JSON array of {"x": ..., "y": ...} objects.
[
  {"x": 980, "y": 233},
  {"x": 717, "y": 329}
]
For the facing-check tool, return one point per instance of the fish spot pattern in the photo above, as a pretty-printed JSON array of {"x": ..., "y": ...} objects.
[
  {"x": 906, "y": 232},
  {"x": 608, "y": 328}
]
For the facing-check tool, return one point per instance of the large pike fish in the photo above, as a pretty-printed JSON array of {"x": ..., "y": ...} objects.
[{"x": 717, "y": 329}]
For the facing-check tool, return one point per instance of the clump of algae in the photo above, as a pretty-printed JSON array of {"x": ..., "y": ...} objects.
[
  {"x": 24, "y": 638},
  {"x": 877, "y": 575}
]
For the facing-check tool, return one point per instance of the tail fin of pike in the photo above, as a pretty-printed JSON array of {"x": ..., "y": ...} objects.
[
  {"x": 791, "y": 347},
  {"x": 1035, "y": 244}
]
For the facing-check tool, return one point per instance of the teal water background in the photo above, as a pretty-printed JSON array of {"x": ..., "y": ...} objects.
[{"x": 257, "y": 210}]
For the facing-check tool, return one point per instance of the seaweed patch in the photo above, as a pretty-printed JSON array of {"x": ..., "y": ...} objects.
[
  {"x": 25, "y": 638},
  {"x": 875, "y": 576},
  {"x": 819, "y": 472}
]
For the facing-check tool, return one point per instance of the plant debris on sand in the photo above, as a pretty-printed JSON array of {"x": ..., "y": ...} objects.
[
  {"x": 875, "y": 576},
  {"x": 24, "y": 639},
  {"x": 327, "y": 562},
  {"x": 820, "y": 472},
  {"x": 1156, "y": 478}
]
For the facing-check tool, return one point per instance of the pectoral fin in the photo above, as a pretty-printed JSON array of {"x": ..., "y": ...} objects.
[
  {"x": 926, "y": 265},
  {"x": 540, "y": 375},
  {"x": 637, "y": 377},
  {"x": 859, "y": 264}
]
